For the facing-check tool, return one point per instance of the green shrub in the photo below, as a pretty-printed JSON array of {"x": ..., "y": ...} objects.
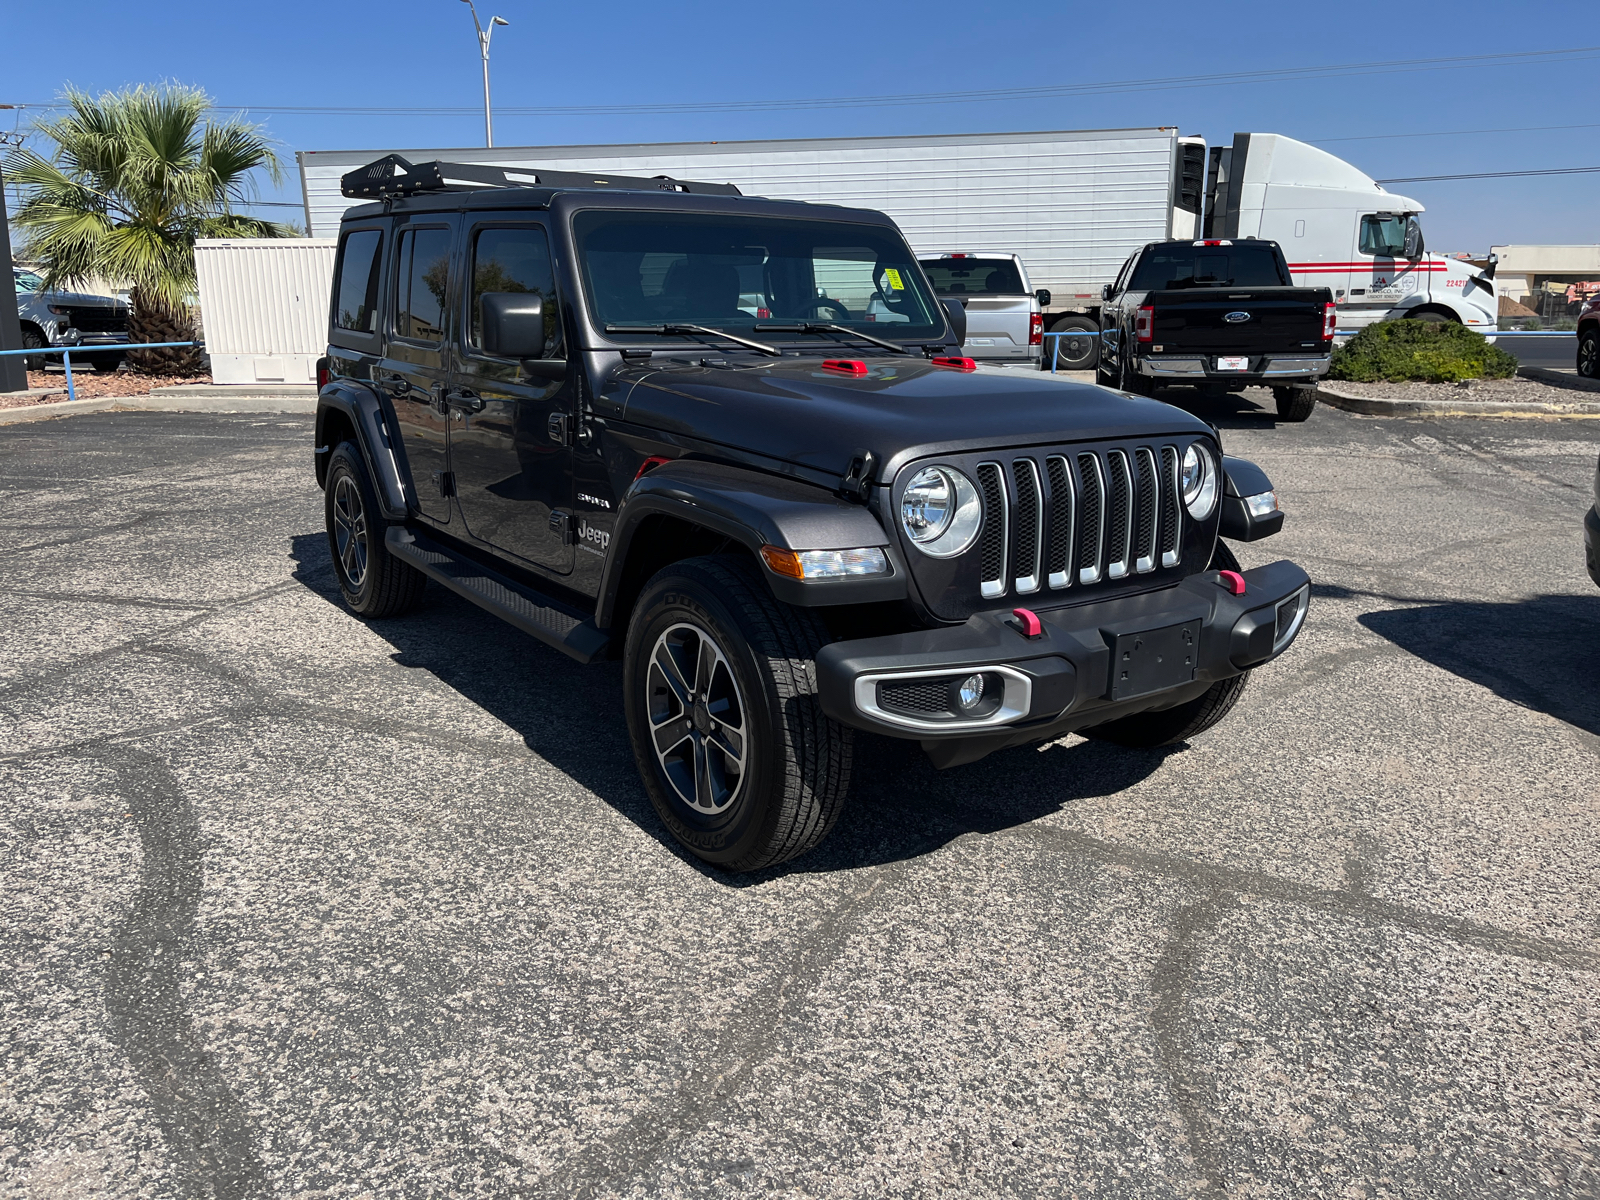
[{"x": 1421, "y": 351}]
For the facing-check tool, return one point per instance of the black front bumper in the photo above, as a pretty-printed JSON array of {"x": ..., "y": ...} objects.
[
  {"x": 1088, "y": 664},
  {"x": 1591, "y": 542}
]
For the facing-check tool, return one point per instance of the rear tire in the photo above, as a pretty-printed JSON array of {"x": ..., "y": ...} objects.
[
  {"x": 1295, "y": 403},
  {"x": 1147, "y": 730},
  {"x": 1589, "y": 353},
  {"x": 374, "y": 582},
  {"x": 1080, "y": 353},
  {"x": 720, "y": 690},
  {"x": 106, "y": 364},
  {"x": 1432, "y": 318},
  {"x": 1134, "y": 382}
]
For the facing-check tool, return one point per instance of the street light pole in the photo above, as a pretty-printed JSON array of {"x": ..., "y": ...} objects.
[{"x": 483, "y": 45}]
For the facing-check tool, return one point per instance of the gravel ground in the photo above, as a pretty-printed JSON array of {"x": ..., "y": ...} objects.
[
  {"x": 90, "y": 386},
  {"x": 1499, "y": 390},
  {"x": 297, "y": 905}
]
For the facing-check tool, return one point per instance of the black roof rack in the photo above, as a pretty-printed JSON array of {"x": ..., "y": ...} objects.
[{"x": 392, "y": 175}]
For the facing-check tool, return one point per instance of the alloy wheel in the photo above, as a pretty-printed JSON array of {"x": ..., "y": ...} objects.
[
  {"x": 697, "y": 719},
  {"x": 1588, "y": 351},
  {"x": 350, "y": 530}
]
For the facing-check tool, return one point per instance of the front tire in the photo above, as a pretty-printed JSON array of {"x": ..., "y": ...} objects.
[
  {"x": 1295, "y": 403},
  {"x": 1589, "y": 353},
  {"x": 375, "y": 584},
  {"x": 1147, "y": 730},
  {"x": 32, "y": 339},
  {"x": 728, "y": 734}
]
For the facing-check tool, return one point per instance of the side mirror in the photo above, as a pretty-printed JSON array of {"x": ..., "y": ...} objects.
[
  {"x": 513, "y": 324},
  {"x": 1105, "y": 291},
  {"x": 957, "y": 314},
  {"x": 1043, "y": 296},
  {"x": 1413, "y": 242}
]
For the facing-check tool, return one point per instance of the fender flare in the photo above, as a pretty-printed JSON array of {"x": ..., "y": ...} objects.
[
  {"x": 754, "y": 510},
  {"x": 1243, "y": 478},
  {"x": 364, "y": 410}
]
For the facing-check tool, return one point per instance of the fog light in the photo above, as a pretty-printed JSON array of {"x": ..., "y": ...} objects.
[{"x": 970, "y": 693}]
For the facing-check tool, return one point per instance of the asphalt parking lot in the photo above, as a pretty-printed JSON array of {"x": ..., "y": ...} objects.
[{"x": 301, "y": 906}]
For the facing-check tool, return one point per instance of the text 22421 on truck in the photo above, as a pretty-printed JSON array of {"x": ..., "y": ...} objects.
[{"x": 792, "y": 525}]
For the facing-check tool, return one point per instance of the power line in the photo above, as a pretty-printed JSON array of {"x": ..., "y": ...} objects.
[
  {"x": 1492, "y": 175},
  {"x": 1375, "y": 137},
  {"x": 1046, "y": 91}
]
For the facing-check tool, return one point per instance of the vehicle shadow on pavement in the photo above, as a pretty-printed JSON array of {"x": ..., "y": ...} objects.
[
  {"x": 1542, "y": 653},
  {"x": 1252, "y": 409},
  {"x": 571, "y": 716}
]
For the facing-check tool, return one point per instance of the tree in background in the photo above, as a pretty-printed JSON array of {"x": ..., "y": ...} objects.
[{"x": 133, "y": 178}]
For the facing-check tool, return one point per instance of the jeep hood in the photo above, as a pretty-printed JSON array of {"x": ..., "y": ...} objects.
[{"x": 902, "y": 409}]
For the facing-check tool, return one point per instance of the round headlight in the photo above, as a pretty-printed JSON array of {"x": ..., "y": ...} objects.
[
  {"x": 1198, "y": 481},
  {"x": 940, "y": 511}
]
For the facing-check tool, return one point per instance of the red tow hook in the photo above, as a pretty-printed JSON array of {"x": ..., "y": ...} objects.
[
  {"x": 1027, "y": 623},
  {"x": 1231, "y": 580}
]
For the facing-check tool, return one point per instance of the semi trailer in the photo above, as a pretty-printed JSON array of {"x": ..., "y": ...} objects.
[{"x": 1073, "y": 205}]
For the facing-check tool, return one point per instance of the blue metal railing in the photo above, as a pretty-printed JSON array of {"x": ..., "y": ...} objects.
[{"x": 106, "y": 348}]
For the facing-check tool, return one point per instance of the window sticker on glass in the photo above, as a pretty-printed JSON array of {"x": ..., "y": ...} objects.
[{"x": 891, "y": 280}]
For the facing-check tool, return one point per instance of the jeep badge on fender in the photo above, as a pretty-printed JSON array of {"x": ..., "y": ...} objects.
[{"x": 673, "y": 419}]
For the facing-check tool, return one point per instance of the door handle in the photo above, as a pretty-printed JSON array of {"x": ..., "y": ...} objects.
[
  {"x": 397, "y": 386},
  {"x": 466, "y": 401}
]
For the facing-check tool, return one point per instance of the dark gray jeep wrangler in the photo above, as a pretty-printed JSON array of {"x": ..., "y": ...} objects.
[{"x": 733, "y": 442}]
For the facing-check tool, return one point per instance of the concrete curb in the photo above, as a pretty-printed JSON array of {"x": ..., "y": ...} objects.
[
  {"x": 1566, "y": 379},
  {"x": 201, "y": 398},
  {"x": 1373, "y": 406}
]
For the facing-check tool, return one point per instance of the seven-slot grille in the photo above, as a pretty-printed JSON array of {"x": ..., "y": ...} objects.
[{"x": 1108, "y": 514}]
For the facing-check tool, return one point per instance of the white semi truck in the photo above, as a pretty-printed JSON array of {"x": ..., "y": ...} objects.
[{"x": 1073, "y": 205}]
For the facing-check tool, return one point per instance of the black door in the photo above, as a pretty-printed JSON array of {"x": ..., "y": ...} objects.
[
  {"x": 511, "y": 430},
  {"x": 416, "y": 361}
]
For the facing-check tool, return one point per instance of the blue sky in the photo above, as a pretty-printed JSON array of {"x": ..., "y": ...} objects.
[{"x": 423, "y": 54}]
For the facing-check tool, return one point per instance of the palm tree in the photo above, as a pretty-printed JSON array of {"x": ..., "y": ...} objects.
[{"x": 134, "y": 177}]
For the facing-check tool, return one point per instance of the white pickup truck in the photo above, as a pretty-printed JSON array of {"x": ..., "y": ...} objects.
[{"x": 1005, "y": 317}]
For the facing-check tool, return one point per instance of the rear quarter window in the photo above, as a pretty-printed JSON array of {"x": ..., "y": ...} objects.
[{"x": 356, "y": 287}]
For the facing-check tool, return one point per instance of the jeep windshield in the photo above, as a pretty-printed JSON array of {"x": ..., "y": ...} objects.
[
  {"x": 1173, "y": 267},
  {"x": 731, "y": 272}
]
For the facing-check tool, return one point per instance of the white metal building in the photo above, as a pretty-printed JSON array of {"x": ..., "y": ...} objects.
[
  {"x": 265, "y": 306},
  {"x": 1074, "y": 205}
]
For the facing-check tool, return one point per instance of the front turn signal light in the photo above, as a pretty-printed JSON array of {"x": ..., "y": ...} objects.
[{"x": 825, "y": 564}]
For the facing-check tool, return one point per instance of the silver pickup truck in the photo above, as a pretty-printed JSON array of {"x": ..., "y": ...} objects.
[
  {"x": 1005, "y": 321},
  {"x": 69, "y": 319}
]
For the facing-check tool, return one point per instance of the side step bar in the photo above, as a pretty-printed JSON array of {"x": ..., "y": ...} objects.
[{"x": 554, "y": 624}]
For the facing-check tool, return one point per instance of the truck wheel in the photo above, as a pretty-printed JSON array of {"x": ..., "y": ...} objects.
[
  {"x": 728, "y": 734},
  {"x": 32, "y": 339},
  {"x": 1080, "y": 350},
  {"x": 106, "y": 364},
  {"x": 1179, "y": 724},
  {"x": 375, "y": 583},
  {"x": 1134, "y": 382},
  {"x": 1589, "y": 353},
  {"x": 1432, "y": 318},
  {"x": 1295, "y": 403}
]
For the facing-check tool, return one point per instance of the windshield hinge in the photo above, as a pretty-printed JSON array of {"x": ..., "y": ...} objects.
[{"x": 858, "y": 479}]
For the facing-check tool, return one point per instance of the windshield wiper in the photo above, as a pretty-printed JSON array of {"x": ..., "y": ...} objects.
[
  {"x": 677, "y": 330},
  {"x": 815, "y": 327}
]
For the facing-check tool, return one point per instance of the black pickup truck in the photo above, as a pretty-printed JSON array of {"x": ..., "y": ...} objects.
[
  {"x": 1217, "y": 314},
  {"x": 663, "y": 422}
]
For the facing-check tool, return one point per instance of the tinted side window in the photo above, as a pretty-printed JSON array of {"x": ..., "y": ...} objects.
[
  {"x": 355, "y": 305},
  {"x": 515, "y": 260},
  {"x": 421, "y": 284}
]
